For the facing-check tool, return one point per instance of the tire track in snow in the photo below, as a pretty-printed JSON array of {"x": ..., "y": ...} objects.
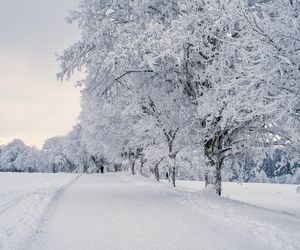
[
  {"x": 21, "y": 218},
  {"x": 33, "y": 190},
  {"x": 47, "y": 212}
]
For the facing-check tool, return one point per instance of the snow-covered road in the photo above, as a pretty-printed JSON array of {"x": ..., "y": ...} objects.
[
  {"x": 24, "y": 202},
  {"x": 117, "y": 212},
  {"x": 120, "y": 212}
]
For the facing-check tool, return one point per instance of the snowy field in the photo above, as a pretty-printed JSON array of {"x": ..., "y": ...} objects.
[{"x": 118, "y": 211}]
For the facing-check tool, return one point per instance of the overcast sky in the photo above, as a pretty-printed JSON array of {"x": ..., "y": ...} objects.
[{"x": 33, "y": 105}]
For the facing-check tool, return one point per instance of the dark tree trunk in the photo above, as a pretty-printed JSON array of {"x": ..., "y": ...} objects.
[
  {"x": 156, "y": 172},
  {"x": 54, "y": 168},
  {"x": 174, "y": 176},
  {"x": 169, "y": 173},
  {"x": 206, "y": 179},
  {"x": 218, "y": 177},
  {"x": 215, "y": 155},
  {"x": 143, "y": 161},
  {"x": 172, "y": 169},
  {"x": 156, "y": 169},
  {"x": 168, "y": 176},
  {"x": 85, "y": 168},
  {"x": 132, "y": 167}
]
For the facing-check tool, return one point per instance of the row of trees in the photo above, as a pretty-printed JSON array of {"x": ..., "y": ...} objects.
[
  {"x": 16, "y": 156},
  {"x": 67, "y": 154},
  {"x": 202, "y": 84},
  {"x": 59, "y": 154},
  {"x": 212, "y": 81}
]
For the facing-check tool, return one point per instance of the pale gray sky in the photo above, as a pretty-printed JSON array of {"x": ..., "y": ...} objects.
[{"x": 33, "y": 105}]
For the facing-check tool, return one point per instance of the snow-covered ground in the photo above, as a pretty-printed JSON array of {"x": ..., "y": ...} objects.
[
  {"x": 118, "y": 211},
  {"x": 24, "y": 201},
  {"x": 280, "y": 197}
]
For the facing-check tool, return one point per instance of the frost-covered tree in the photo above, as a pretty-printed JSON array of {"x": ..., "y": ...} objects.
[
  {"x": 124, "y": 65},
  {"x": 217, "y": 78},
  {"x": 75, "y": 150},
  {"x": 16, "y": 156},
  {"x": 235, "y": 70},
  {"x": 54, "y": 148},
  {"x": 10, "y": 154}
]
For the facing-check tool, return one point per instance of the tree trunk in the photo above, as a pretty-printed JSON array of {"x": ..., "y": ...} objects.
[
  {"x": 173, "y": 170},
  {"x": 173, "y": 176},
  {"x": 213, "y": 153},
  {"x": 54, "y": 168},
  {"x": 156, "y": 169},
  {"x": 218, "y": 178},
  {"x": 206, "y": 179},
  {"x": 142, "y": 165},
  {"x": 156, "y": 172},
  {"x": 132, "y": 167},
  {"x": 85, "y": 169}
]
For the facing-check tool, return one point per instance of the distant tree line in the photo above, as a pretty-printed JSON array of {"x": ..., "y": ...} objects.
[{"x": 60, "y": 155}]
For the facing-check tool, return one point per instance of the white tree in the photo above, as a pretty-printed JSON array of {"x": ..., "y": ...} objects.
[
  {"x": 10, "y": 154},
  {"x": 16, "y": 156},
  {"x": 168, "y": 76},
  {"x": 53, "y": 148}
]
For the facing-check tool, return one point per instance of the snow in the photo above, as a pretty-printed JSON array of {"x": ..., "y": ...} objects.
[
  {"x": 24, "y": 200},
  {"x": 280, "y": 197},
  {"x": 119, "y": 211}
]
